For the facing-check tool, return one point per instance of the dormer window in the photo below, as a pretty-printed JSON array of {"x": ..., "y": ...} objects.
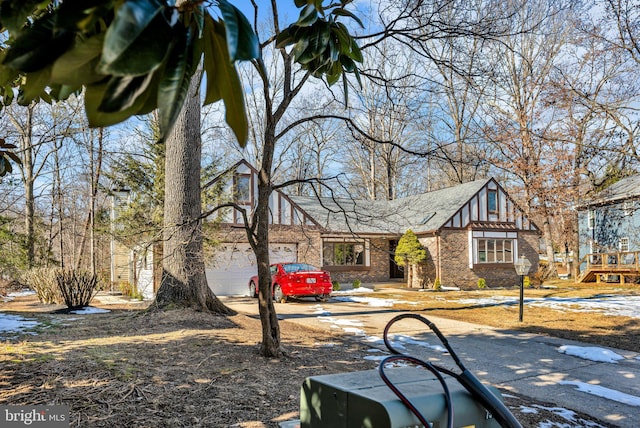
[
  {"x": 242, "y": 188},
  {"x": 492, "y": 201}
]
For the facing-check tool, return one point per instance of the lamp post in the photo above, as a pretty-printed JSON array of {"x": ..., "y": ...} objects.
[{"x": 522, "y": 266}]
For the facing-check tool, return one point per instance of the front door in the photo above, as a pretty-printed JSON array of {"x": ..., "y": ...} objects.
[{"x": 395, "y": 271}]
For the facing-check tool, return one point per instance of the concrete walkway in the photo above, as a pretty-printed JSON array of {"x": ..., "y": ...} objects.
[{"x": 524, "y": 363}]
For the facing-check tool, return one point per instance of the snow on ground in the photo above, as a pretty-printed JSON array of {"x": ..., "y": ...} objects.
[
  {"x": 591, "y": 353},
  {"x": 601, "y": 391},
  {"x": 371, "y": 301},
  {"x": 15, "y": 323},
  {"x": 87, "y": 310},
  {"x": 11, "y": 296},
  {"x": 620, "y": 305},
  {"x": 568, "y": 415}
]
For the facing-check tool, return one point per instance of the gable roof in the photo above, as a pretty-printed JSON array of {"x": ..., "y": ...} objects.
[
  {"x": 627, "y": 188},
  {"x": 422, "y": 213}
]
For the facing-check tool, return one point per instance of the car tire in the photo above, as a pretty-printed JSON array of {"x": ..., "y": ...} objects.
[
  {"x": 253, "y": 290},
  {"x": 278, "y": 295}
]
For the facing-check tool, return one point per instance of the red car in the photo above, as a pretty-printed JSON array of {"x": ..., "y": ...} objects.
[{"x": 295, "y": 280}]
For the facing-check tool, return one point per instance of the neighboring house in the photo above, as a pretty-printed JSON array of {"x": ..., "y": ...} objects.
[
  {"x": 130, "y": 268},
  {"x": 471, "y": 231},
  {"x": 609, "y": 233}
]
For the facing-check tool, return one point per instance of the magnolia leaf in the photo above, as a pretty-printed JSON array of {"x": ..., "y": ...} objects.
[
  {"x": 285, "y": 38},
  {"x": 77, "y": 65},
  {"x": 7, "y": 75},
  {"x": 34, "y": 87},
  {"x": 344, "y": 12},
  {"x": 223, "y": 81},
  {"x": 355, "y": 54},
  {"x": 308, "y": 16},
  {"x": 14, "y": 13},
  {"x": 5, "y": 166},
  {"x": 62, "y": 92},
  {"x": 176, "y": 77},
  {"x": 38, "y": 47},
  {"x": 122, "y": 92},
  {"x": 137, "y": 40},
  {"x": 241, "y": 40},
  {"x": 93, "y": 96}
]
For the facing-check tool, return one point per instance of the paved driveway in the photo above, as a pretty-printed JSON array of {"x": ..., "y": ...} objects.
[{"x": 524, "y": 363}]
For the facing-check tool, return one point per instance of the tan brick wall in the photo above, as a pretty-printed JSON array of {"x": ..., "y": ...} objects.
[
  {"x": 378, "y": 271},
  {"x": 454, "y": 261}
]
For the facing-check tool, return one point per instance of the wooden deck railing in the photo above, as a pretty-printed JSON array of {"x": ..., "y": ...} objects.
[{"x": 593, "y": 266}]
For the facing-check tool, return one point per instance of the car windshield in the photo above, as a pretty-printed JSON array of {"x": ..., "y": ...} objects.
[{"x": 298, "y": 267}]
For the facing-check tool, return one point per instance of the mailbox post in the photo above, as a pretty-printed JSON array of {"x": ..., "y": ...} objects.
[{"x": 522, "y": 266}]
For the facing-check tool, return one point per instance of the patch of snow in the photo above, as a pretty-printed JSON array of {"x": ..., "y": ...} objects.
[
  {"x": 619, "y": 305},
  {"x": 591, "y": 353},
  {"x": 87, "y": 310},
  {"x": 601, "y": 391},
  {"x": 319, "y": 310},
  {"x": 527, "y": 409},
  {"x": 22, "y": 293},
  {"x": 402, "y": 339},
  {"x": 371, "y": 301},
  {"x": 360, "y": 290},
  {"x": 355, "y": 331},
  {"x": 375, "y": 357},
  {"x": 569, "y": 415},
  {"x": 341, "y": 321},
  {"x": 15, "y": 323},
  {"x": 11, "y": 296}
]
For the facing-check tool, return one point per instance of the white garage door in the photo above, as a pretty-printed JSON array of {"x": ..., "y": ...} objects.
[{"x": 235, "y": 263}]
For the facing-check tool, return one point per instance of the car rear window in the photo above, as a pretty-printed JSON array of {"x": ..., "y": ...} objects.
[{"x": 298, "y": 267}]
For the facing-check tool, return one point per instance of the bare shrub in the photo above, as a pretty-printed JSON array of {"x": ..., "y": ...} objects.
[
  {"x": 43, "y": 282},
  {"x": 76, "y": 287}
]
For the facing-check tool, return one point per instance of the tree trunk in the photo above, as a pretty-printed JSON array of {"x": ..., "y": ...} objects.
[
  {"x": 28, "y": 176},
  {"x": 183, "y": 282},
  {"x": 270, "y": 346}
]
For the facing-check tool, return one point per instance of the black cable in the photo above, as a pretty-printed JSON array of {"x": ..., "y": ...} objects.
[
  {"x": 479, "y": 391},
  {"x": 405, "y": 400}
]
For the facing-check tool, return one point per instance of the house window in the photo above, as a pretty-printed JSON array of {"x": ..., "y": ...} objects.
[
  {"x": 592, "y": 219},
  {"x": 242, "y": 188},
  {"x": 492, "y": 201},
  {"x": 343, "y": 254},
  {"x": 494, "y": 251},
  {"x": 624, "y": 245}
]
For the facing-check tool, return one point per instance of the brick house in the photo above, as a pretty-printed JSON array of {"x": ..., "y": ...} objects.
[{"x": 471, "y": 231}]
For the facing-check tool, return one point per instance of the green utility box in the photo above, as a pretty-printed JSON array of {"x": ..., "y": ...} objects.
[{"x": 363, "y": 400}]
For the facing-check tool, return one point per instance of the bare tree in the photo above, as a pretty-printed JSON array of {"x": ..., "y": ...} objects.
[{"x": 521, "y": 127}]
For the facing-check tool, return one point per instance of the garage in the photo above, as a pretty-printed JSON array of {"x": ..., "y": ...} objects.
[{"x": 234, "y": 263}]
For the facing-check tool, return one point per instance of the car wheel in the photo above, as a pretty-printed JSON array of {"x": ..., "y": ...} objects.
[
  {"x": 322, "y": 298},
  {"x": 278, "y": 295},
  {"x": 253, "y": 291}
]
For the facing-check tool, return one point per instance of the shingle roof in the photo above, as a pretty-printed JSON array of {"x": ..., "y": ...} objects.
[
  {"x": 421, "y": 213},
  {"x": 626, "y": 188}
]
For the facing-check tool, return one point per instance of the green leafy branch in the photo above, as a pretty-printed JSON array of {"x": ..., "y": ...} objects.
[
  {"x": 322, "y": 45},
  {"x": 131, "y": 56},
  {"x": 134, "y": 56}
]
